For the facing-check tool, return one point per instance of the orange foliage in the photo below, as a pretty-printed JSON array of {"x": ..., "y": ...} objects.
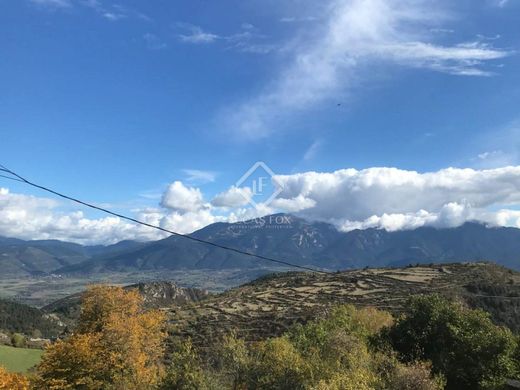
[
  {"x": 118, "y": 345},
  {"x": 12, "y": 381}
]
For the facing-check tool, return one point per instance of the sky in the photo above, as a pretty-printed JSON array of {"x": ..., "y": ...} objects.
[{"x": 391, "y": 114}]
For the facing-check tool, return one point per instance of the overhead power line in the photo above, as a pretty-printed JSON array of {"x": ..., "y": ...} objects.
[{"x": 17, "y": 177}]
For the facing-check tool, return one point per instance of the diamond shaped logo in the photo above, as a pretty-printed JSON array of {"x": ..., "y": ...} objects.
[{"x": 263, "y": 184}]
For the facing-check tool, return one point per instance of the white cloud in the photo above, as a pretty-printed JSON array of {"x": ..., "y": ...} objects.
[
  {"x": 112, "y": 16},
  {"x": 313, "y": 149},
  {"x": 293, "y": 19},
  {"x": 200, "y": 177},
  {"x": 233, "y": 197},
  {"x": 388, "y": 198},
  {"x": 30, "y": 217},
  {"x": 178, "y": 197},
  {"x": 190, "y": 221},
  {"x": 246, "y": 41},
  {"x": 357, "y": 195},
  {"x": 197, "y": 35},
  {"x": 356, "y": 35},
  {"x": 52, "y": 3},
  {"x": 293, "y": 205}
]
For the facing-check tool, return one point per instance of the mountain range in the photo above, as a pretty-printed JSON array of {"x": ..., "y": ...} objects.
[
  {"x": 280, "y": 236},
  {"x": 42, "y": 257}
]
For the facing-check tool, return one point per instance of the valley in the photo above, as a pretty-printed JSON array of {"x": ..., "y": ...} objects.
[{"x": 40, "y": 272}]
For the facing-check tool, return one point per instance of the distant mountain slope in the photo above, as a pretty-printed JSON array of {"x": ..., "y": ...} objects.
[
  {"x": 313, "y": 243},
  {"x": 19, "y": 258},
  {"x": 17, "y": 317}
]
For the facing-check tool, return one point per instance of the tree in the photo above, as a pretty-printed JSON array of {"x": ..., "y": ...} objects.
[
  {"x": 18, "y": 340},
  {"x": 12, "y": 381},
  {"x": 185, "y": 371},
  {"x": 117, "y": 345},
  {"x": 462, "y": 344},
  {"x": 276, "y": 364}
]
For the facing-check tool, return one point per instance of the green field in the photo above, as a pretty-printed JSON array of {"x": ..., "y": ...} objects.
[{"x": 19, "y": 359}]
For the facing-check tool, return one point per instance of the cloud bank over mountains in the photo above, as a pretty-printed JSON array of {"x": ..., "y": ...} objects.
[{"x": 386, "y": 198}]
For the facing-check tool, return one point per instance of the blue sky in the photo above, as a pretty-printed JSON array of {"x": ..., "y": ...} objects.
[{"x": 115, "y": 102}]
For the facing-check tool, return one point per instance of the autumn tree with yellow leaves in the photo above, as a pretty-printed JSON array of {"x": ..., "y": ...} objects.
[
  {"x": 12, "y": 381},
  {"x": 117, "y": 345}
]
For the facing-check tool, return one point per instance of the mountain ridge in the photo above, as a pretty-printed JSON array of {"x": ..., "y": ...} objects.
[
  {"x": 280, "y": 236},
  {"x": 315, "y": 244}
]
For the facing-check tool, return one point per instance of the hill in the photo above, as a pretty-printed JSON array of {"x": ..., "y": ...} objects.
[
  {"x": 17, "y": 317},
  {"x": 314, "y": 244},
  {"x": 155, "y": 294},
  {"x": 268, "y": 306},
  {"x": 52, "y": 319},
  {"x": 20, "y": 258}
]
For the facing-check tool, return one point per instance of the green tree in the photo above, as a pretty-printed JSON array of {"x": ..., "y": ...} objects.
[
  {"x": 18, "y": 340},
  {"x": 277, "y": 364},
  {"x": 185, "y": 371},
  {"x": 462, "y": 344}
]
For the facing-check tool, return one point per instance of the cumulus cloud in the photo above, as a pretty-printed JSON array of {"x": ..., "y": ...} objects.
[
  {"x": 355, "y": 35},
  {"x": 181, "y": 198},
  {"x": 394, "y": 199},
  {"x": 233, "y": 197},
  {"x": 386, "y": 198},
  {"x": 189, "y": 221},
  {"x": 30, "y": 217},
  {"x": 293, "y": 205}
]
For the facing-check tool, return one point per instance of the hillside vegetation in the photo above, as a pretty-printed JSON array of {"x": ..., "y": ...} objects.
[
  {"x": 17, "y": 317},
  {"x": 435, "y": 344}
]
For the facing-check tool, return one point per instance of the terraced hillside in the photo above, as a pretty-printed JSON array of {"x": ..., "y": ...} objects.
[{"x": 268, "y": 306}]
